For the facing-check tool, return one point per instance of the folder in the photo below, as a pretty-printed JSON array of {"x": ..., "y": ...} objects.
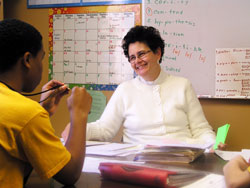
[
  {"x": 146, "y": 176},
  {"x": 221, "y": 135}
]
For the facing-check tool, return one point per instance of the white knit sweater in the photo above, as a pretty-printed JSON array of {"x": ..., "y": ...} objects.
[{"x": 164, "y": 109}]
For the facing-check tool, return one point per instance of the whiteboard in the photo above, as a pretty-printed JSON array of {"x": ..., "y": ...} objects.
[{"x": 193, "y": 30}]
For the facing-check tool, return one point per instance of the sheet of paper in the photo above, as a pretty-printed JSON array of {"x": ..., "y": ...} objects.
[
  {"x": 232, "y": 72},
  {"x": 91, "y": 164},
  {"x": 211, "y": 180},
  {"x": 246, "y": 154},
  {"x": 112, "y": 149},
  {"x": 228, "y": 155},
  {"x": 98, "y": 105},
  {"x": 95, "y": 143},
  {"x": 182, "y": 144}
]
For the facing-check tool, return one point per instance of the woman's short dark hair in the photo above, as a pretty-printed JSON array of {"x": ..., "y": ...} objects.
[
  {"x": 17, "y": 38},
  {"x": 145, "y": 34}
]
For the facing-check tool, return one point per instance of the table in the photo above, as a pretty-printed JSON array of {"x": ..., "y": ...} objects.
[{"x": 208, "y": 162}]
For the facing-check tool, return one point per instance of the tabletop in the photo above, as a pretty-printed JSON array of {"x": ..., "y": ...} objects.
[{"x": 207, "y": 163}]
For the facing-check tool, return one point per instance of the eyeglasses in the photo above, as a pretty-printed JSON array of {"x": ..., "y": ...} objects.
[{"x": 140, "y": 55}]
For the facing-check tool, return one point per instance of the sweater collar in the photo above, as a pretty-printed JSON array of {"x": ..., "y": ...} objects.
[{"x": 160, "y": 79}]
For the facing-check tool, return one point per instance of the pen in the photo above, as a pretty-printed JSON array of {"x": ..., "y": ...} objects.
[{"x": 55, "y": 87}]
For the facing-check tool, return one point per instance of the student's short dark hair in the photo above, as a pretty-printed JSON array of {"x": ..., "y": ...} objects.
[
  {"x": 17, "y": 38},
  {"x": 145, "y": 34}
]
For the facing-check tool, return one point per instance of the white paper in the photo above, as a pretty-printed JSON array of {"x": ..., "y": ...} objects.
[
  {"x": 95, "y": 143},
  {"x": 91, "y": 164},
  {"x": 228, "y": 155},
  {"x": 112, "y": 149},
  {"x": 182, "y": 144},
  {"x": 246, "y": 154},
  {"x": 232, "y": 72},
  {"x": 211, "y": 180}
]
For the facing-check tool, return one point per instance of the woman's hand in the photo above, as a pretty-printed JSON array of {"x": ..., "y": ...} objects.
[
  {"x": 221, "y": 146},
  {"x": 51, "y": 99}
]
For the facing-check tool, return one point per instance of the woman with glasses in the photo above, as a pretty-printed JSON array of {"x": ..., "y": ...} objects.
[{"x": 154, "y": 106}]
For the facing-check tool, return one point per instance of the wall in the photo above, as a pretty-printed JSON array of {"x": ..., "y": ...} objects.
[
  {"x": 217, "y": 111},
  {"x": 1, "y": 9}
]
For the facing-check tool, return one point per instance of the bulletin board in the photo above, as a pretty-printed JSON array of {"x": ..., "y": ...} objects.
[
  {"x": 85, "y": 45},
  {"x": 207, "y": 42}
]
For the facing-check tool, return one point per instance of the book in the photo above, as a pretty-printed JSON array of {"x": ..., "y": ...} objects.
[
  {"x": 146, "y": 176},
  {"x": 169, "y": 154}
]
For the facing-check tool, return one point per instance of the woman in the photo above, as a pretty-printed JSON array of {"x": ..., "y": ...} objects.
[
  {"x": 154, "y": 106},
  {"x": 237, "y": 173}
]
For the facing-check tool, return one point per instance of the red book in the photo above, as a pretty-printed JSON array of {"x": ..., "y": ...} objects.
[{"x": 135, "y": 174}]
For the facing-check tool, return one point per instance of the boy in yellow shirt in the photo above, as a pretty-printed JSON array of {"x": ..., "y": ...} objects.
[{"x": 27, "y": 139}]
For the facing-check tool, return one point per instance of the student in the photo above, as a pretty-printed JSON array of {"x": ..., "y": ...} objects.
[
  {"x": 27, "y": 139},
  {"x": 154, "y": 106},
  {"x": 237, "y": 173}
]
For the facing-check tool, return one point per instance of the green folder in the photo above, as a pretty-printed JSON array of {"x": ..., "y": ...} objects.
[{"x": 221, "y": 135}]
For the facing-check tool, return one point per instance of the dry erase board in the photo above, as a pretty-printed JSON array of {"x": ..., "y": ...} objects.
[{"x": 193, "y": 30}]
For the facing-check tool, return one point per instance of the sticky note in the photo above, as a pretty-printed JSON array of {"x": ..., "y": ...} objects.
[{"x": 221, "y": 135}]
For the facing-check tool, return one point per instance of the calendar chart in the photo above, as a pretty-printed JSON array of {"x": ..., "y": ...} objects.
[{"x": 85, "y": 45}]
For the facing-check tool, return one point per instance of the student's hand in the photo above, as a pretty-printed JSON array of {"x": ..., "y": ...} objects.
[
  {"x": 65, "y": 132},
  {"x": 79, "y": 102},
  {"x": 236, "y": 173},
  {"x": 53, "y": 97}
]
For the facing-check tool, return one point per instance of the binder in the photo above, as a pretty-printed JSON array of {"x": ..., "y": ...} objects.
[{"x": 150, "y": 177}]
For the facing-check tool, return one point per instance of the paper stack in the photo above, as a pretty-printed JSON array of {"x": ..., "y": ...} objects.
[{"x": 169, "y": 154}]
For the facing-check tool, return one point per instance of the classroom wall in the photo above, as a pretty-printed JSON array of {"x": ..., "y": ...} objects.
[
  {"x": 218, "y": 111},
  {"x": 1, "y": 9}
]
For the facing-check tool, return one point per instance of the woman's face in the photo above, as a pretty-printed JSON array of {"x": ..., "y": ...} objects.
[{"x": 144, "y": 61}]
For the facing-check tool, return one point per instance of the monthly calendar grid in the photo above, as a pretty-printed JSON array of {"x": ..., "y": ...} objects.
[{"x": 87, "y": 49}]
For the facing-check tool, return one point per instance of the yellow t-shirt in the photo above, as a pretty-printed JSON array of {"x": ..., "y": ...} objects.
[{"x": 27, "y": 139}]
